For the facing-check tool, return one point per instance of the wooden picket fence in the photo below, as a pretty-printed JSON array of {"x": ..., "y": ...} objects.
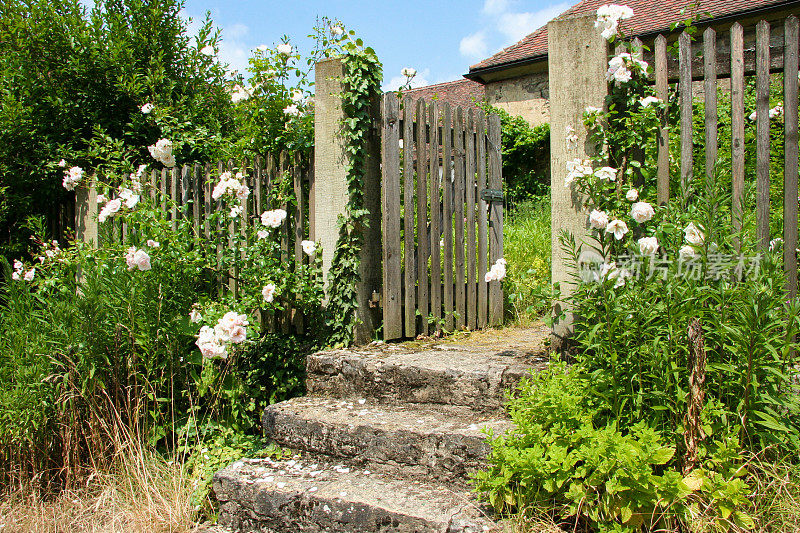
[
  {"x": 736, "y": 53},
  {"x": 442, "y": 215},
  {"x": 185, "y": 192}
]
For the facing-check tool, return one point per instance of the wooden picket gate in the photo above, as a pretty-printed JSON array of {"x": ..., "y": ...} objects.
[{"x": 442, "y": 216}]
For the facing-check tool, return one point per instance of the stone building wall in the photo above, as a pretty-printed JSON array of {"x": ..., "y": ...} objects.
[{"x": 526, "y": 96}]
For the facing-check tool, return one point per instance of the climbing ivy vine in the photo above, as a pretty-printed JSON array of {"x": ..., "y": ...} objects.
[{"x": 361, "y": 81}]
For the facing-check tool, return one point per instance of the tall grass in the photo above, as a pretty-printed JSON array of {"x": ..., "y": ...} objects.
[
  {"x": 526, "y": 248},
  {"x": 140, "y": 492}
]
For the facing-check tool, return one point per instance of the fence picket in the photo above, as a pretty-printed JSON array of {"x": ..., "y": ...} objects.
[
  {"x": 762, "y": 134},
  {"x": 483, "y": 209},
  {"x": 422, "y": 219},
  {"x": 662, "y": 92},
  {"x": 790, "y": 101},
  {"x": 299, "y": 254},
  {"x": 435, "y": 217},
  {"x": 447, "y": 216},
  {"x": 685, "y": 88},
  {"x": 496, "y": 220},
  {"x": 710, "y": 94},
  {"x": 410, "y": 274},
  {"x": 472, "y": 295},
  {"x": 737, "y": 129},
  {"x": 458, "y": 194},
  {"x": 390, "y": 199}
]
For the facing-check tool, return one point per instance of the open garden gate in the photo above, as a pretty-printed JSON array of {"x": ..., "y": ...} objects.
[{"x": 442, "y": 217}]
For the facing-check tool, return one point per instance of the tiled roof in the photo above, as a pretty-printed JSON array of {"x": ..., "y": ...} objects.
[
  {"x": 462, "y": 92},
  {"x": 649, "y": 16}
]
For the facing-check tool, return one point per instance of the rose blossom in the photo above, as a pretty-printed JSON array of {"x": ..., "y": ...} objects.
[
  {"x": 309, "y": 247},
  {"x": 687, "y": 252},
  {"x": 284, "y": 49},
  {"x": 642, "y": 212},
  {"x": 694, "y": 235},
  {"x": 632, "y": 195},
  {"x": 598, "y": 219},
  {"x": 606, "y": 173},
  {"x": 268, "y": 292},
  {"x": 111, "y": 208},
  {"x": 273, "y": 218},
  {"x": 648, "y": 245},
  {"x": 618, "y": 228}
]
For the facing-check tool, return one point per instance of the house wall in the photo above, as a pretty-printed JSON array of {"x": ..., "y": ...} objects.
[{"x": 526, "y": 96}]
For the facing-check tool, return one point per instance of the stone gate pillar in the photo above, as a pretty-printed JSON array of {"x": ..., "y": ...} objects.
[{"x": 578, "y": 59}]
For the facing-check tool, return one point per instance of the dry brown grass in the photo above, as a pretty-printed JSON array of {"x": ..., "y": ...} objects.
[
  {"x": 142, "y": 492},
  {"x": 776, "y": 498}
]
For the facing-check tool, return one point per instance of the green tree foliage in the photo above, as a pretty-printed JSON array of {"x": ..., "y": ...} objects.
[
  {"x": 526, "y": 156},
  {"x": 72, "y": 85}
]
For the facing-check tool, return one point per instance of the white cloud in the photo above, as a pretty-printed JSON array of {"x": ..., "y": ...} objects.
[
  {"x": 420, "y": 80},
  {"x": 515, "y": 26},
  {"x": 232, "y": 48},
  {"x": 474, "y": 46},
  {"x": 495, "y": 7}
]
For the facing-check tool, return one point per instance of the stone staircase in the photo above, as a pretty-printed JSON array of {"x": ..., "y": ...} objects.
[{"x": 385, "y": 439}]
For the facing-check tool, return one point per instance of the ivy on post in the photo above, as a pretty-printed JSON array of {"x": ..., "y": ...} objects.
[{"x": 347, "y": 206}]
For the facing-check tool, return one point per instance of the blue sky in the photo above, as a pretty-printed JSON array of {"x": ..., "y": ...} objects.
[{"x": 439, "y": 39}]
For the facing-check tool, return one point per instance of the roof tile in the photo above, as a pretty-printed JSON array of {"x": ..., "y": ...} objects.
[{"x": 649, "y": 16}]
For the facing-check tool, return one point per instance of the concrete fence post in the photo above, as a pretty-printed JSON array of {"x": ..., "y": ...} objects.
[
  {"x": 86, "y": 227},
  {"x": 577, "y": 61},
  {"x": 331, "y": 196}
]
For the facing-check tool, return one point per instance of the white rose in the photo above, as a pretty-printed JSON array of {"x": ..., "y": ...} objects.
[
  {"x": 642, "y": 212},
  {"x": 408, "y": 72},
  {"x": 291, "y": 110},
  {"x": 606, "y": 173},
  {"x": 618, "y": 228},
  {"x": 147, "y": 108},
  {"x": 268, "y": 292},
  {"x": 207, "y": 50},
  {"x": 648, "y": 245},
  {"x": 598, "y": 219},
  {"x": 694, "y": 235},
  {"x": 284, "y": 49},
  {"x": 337, "y": 31},
  {"x": 309, "y": 247},
  {"x": 195, "y": 316},
  {"x": 632, "y": 195},
  {"x": 647, "y": 101},
  {"x": 141, "y": 260},
  {"x": 153, "y": 244},
  {"x": 687, "y": 252}
]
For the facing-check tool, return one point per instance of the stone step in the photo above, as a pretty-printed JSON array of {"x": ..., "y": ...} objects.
[
  {"x": 290, "y": 496},
  {"x": 438, "y": 441},
  {"x": 473, "y": 375}
]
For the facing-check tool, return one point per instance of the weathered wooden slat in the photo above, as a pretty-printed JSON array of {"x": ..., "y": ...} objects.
[
  {"x": 447, "y": 215},
  {"x": 762, "y": 134},
  {"x": 469, "y": 212},
  {"x": 409, "y": 248},
  {"x": 685, "y": 88},
  {"x": 286, "y": 316},
  {"x": 218, "y": 230},
  {"x": 496, "y": 219},
  {"x": 207, "y": 201},
  {"x": 163, "y": 188},
  {"x": 458, "y": 212},
  {"x": 483, "y": 209},
  {"x": 435, "y": 216},
  {"x": 186, "y": 191},
  {"x": 174, "y": 196},
  {"x": 710, "y": 94},
  {"x": 662, "y": 92},
  {"x": 258, "y": 192},
  {"x": 196, "y": 181},
  {"x": 390, "y": 212},
  {"x": 423, "y": 241},
  {"x": 299, "y": 213},
  {"x": 790, "y": 136},
  {"x": 737, "y": 130}
]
